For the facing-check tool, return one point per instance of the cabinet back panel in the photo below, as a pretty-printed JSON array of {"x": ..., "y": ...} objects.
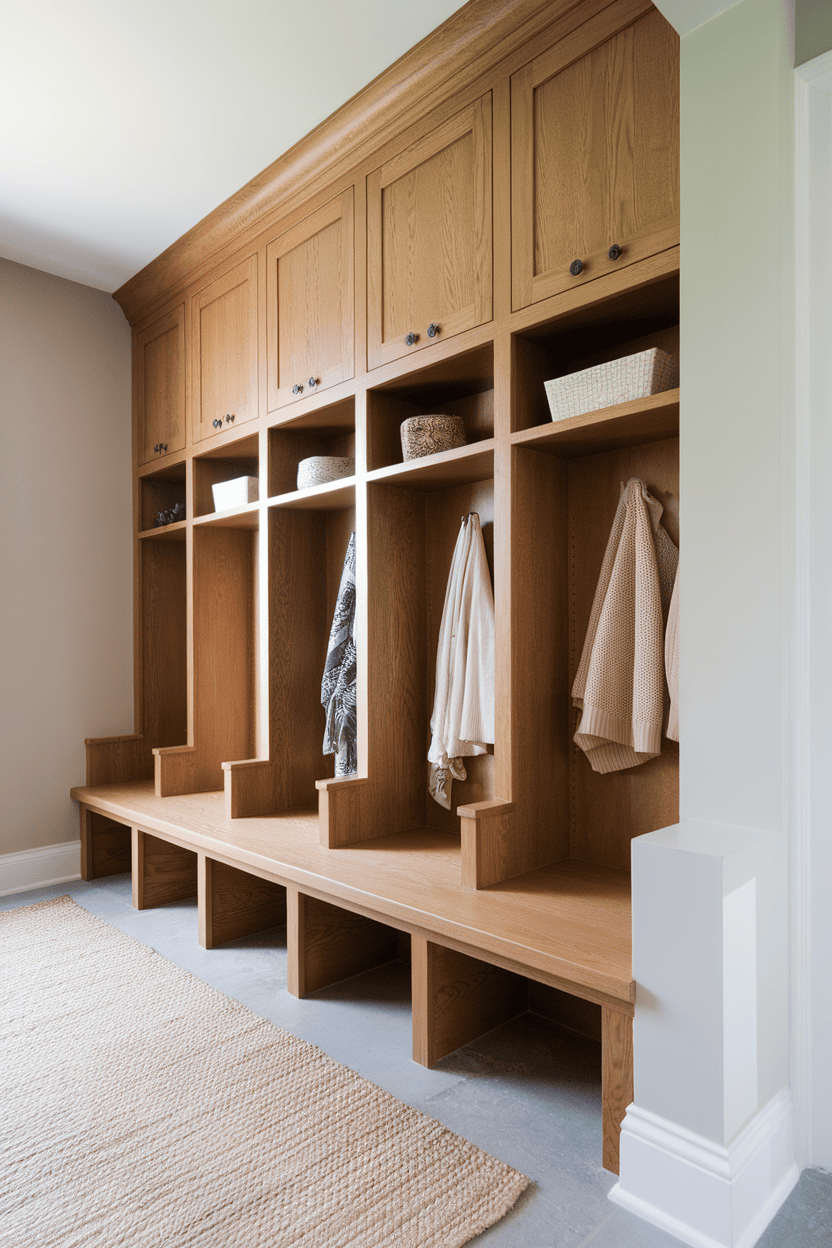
[
  {"x": 225, "y": 563},
  {"x": 607, "y": 811},
  {"x": 164, "y": 643}
]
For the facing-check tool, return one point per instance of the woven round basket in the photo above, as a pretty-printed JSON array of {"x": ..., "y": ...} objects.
[
  {"x": 319, "y": 469},
  {"x": 428, "y": 435}
]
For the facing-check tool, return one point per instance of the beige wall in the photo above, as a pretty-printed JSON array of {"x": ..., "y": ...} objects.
[{"x": 65, "y": 557}]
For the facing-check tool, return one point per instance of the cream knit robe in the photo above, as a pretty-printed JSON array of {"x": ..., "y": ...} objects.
[
  {"x": 463, "y": 708},
  {"x": 619, "y": 685}
]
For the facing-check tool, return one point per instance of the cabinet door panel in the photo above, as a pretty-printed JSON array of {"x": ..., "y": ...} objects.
[
  {"x": 595, "y": 151},
  {"x": 159, "y": 369},
  {"x": 224, "y": 326},
  {"x": 311, "y": 297},
  {"x": 429, "y": 237}
]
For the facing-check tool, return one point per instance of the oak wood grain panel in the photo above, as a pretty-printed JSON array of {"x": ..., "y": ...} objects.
[
  {"x": 164, "y": 672},
  {"x": 430, "y": 237},
  {"x": 654, "y": 419},
  {"x": 114, "y": 759},
  {"x": 327, "y": 944},
  {"x": 159, "y": 369},
  {"x": 224, "y": 703},
  {"x": 457, "y": 998},
  {"x": 288, "y": 446},
  {"x": 234, "y": 903},
  {"x": 162, "y": 872},
  {"x": 567, "y": 924},
  {"x": 210, "y": 470},
  {"x": 224, "y": 350},
  {"x": 616, "y": 1080},
  {"x": 105, "y": 846},
  {"x": 607, "y": 811},
  {"x": 596, "y": 150},
  {"x": 311, "y": 299}
]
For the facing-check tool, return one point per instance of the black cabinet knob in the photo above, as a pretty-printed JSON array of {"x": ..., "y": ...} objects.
[
  {"x": 163, "y": 446},
  {"x": 296, "y": 389},
  {"x": 229, "y": 420},
  {"x": 615, "y": 251},
  {"x": 217, "y": 423},
  {"x": 156, "y": 449},
  {"x": 313, "y": 381},
  {"x": 433, "y": 330},
  {"x": 411, "y": 339},
  {"x": 576, "y": 267}
]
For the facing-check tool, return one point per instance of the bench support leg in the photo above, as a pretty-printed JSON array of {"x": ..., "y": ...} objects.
[
  {"x": 457, "y": 998},
  {"x": 161, "y": 872},
  {"x": 233, "y": 903},
  {"x": 326, "y": 944},
  {"x": 616, "y": 1079},
  {"x": 105, "y": 846}
]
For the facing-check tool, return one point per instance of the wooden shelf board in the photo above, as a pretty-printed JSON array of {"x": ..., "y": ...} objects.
[
  {"x": 238, "y": 518},
  {"x": 474, "y": 462},
  {"x": 327, "y": 497},
  {"x": 166, "y": 532},
  {"x": 627, "y": 424},
  {"x": 567, "y": 924}
]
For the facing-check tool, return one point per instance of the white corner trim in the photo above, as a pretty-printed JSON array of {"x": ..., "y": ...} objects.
[
  {"x": 706, "y": 1194},
  {"x": 37, "y": 868}
]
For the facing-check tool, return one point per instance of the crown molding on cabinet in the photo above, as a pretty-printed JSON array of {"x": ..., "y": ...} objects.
[{"x": 469, "y": 45}]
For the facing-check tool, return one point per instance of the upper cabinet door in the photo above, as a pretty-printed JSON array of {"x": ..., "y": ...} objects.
[
  {"x": 159, "y": 373},
  {"x": 595, "y": 152},
  {"x": 429, "y": 238},
  {"x": 310, "y": 288},
  {"x": 224, "y": 333}
]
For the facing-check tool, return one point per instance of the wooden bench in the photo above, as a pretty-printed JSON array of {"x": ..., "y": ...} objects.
[{"x": 472, "y": 951}]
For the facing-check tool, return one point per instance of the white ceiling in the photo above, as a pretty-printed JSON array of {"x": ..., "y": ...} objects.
[{"x": 122, "y": 123}]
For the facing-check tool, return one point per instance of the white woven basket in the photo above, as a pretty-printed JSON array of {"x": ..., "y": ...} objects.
[
  {"x": 320, "y": 469},
  {"x": 619, "y": 381}
]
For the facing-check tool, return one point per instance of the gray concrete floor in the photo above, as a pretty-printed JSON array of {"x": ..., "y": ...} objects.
[{"x": 529, "y": 1092}]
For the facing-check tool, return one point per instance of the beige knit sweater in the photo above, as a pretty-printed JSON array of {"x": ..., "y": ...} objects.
[{"x": 619, "y": 686}]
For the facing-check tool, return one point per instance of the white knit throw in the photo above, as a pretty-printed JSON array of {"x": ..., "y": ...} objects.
[{"x": 462, "y": 723}]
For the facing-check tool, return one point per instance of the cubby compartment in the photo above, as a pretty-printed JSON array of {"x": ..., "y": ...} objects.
[
  {"x": 231, "y": 460},
  {"x": 328, "y": 431},
  {"x": 412, "y": 534},
  {"x": 161, "y": 492},
  {"x": 225, "y": 684},
  {"x": 461, "y": 385},
  {"x": 582, "y": 338},
  {"x": 563, "y": 511},
  {"x": 307, "y": 548},
  {"x": 163, "y": 639}
]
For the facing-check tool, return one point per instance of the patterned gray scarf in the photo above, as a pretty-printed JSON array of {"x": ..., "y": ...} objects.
[{"x": 338, "y": 694}]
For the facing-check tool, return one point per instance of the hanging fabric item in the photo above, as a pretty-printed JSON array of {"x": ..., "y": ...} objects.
[
  {"x": 338, "y": 687},
  {"x": 671, "y": 661},
  {"x": 462, "y": 723},
  {"x": 619, "y": 686}
]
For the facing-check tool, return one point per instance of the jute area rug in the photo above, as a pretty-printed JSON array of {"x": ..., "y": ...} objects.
[{"x": 142, "y": 1108}]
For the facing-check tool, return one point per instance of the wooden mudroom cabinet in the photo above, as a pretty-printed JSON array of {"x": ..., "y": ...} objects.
[{"x": 448, "y": 194}]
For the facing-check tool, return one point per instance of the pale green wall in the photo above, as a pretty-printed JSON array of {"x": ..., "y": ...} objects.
[{"x": 812, "y": 29}]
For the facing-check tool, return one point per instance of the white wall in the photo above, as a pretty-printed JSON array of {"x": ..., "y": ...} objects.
[{"x": 66, "y": 554}]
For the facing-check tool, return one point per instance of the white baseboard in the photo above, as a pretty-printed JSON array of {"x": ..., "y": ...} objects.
[
  {"x": 708, "y": 1195},
  {"x": 37, "y": 868}
]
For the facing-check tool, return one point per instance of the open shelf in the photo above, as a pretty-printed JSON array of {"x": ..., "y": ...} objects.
[
  {"x": 237, "y": 518},
  {"x": 323, "y": 431},
  {"x": 651, "y": 419},
  {"x": 163, "y": 637},
  {"x": 160, "y": 491},
  {"x": 630, "y": 322},
  {"x": 224, "y": 463},
  {"x": 166, "y": 533},
  {"x": 460, "y": 385},
  {"x": 328, "y": 497},
  {"x": 462, "y": 465}
]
